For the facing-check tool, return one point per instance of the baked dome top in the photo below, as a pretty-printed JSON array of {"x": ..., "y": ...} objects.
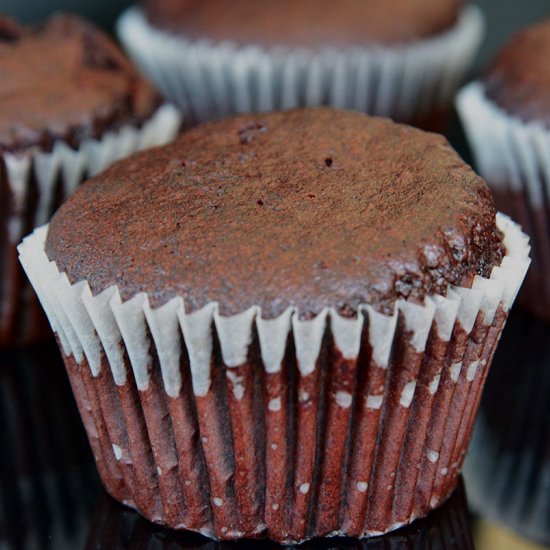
[
  {"x": 518, "y": 80},
  {"x": 305, "y": 22},
  {"x": 65, "y": 80},
  {"x": 309, "y": 208}
]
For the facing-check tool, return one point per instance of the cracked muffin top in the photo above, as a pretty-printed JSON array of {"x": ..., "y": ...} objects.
[
  {"x": 65, "y": 80},
  {"x": 309, "y": 208}
]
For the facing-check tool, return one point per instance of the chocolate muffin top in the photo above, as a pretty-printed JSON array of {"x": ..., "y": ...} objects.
[
  {"x": 304, "y": 22},
  {"x": 309, "y": 208},
  {"x": 65, "y": 80},
  {"x": 518, "y": 80}
]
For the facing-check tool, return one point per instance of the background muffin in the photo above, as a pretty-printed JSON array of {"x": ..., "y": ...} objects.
[
  {"x": 70, "y": 104},
  {"x": 398, "y": 58},
  {"x": 270, "y": 323},
  {"x": 506, "y": 116}
]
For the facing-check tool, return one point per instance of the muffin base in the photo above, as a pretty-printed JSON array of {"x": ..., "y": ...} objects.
[
  {"x": 407, "y": 82},
  {"x": 448, "y": 527},
  {"x": 241, "y": 427},
  {"x": 33, "y": 184}
]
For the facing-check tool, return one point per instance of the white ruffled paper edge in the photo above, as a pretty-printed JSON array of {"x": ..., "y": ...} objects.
[
  {"x": 73, "y": 165},
  {"x": 211, "y": 80},
  {"x": 509, "y": 152},
  {"x": 89, "y": 325}
]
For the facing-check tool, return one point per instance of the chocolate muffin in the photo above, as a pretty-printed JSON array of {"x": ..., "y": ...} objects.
[
  {"x": 398, "y": 58},
  {"x": 350, "y": 22},
  {"x": 280, "y": 325},
  {"x": 70, "y": 104},
  {"x": 517, "y": 80},
  {"x": 506, "y": 116}
]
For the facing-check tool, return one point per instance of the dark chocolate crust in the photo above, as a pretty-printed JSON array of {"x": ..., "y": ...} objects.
[
  {"x": 518, "y": 80},
  {"x": 310, "y": 208},
  {"x": 311, "y": 23},
  {"x": 65, "y": 80}
]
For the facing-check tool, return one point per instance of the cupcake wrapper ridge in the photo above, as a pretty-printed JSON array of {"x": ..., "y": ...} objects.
[
  {"x": 514, "y": 157},
  {"x": 36, "y": 181},
  {"x": 247, "y": 427},
  {"x": 212, "y": 80}
]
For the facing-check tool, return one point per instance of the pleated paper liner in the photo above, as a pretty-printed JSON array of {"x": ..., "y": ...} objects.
[
  {"x": 33, "y": 184},
  {"x": 413, "y": 83},
  {"x": 514, "y": 158},
  {"x": 244, "y": 427},
  {"x": 116, "y": 527},
  {"x": 508, "y": 466}
]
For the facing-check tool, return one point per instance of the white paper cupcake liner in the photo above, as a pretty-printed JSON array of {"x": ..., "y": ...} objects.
[
  {"x": 514, "y": 158},
  {"x": 244, "y": 427},
  {"x": 207, "y": 80},
  {"x": 37, "y": 181}
]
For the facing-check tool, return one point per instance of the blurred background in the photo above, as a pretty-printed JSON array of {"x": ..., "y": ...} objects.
[
  {"x": 503, "y": 16},
  {"x": 50, "y": 496}
]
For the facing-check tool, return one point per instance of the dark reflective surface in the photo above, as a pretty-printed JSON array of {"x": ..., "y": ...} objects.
[
  {"x": 508, "y": 467},
  {"x": 48, "y": 484},
  {"x": 116, "y": 527}
]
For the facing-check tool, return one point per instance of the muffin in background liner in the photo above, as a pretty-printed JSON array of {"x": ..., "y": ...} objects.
[
  {"x": 115, "y": 527},
  {"x": 507, "y": 471},
  {"x": 513, "y": 156},
  {"x": 412, "y": 82},
  {"x": 60, "y": 124},
  {"x": 205, "y": 422},
  {"x": 35, "y": 183}
]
